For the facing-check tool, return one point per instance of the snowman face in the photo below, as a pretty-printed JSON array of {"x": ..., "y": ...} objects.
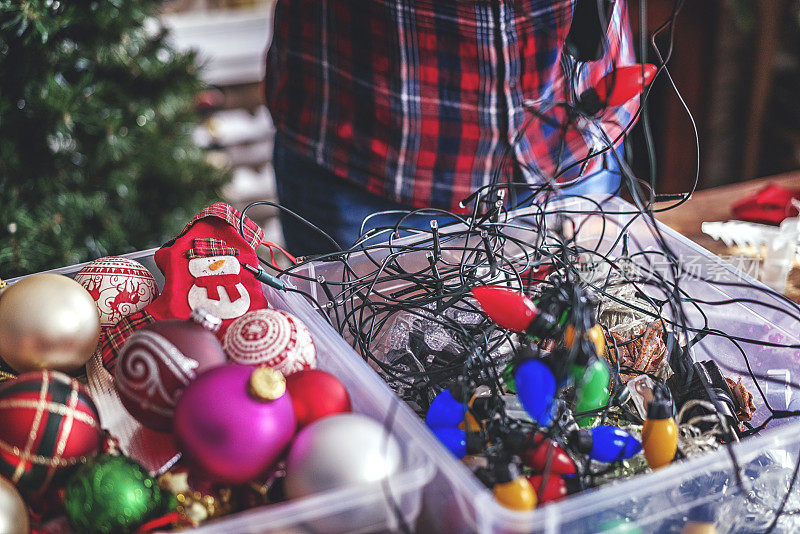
[
  {"x": 214, "y": 265},
  {"x": 220, "y": 303}
]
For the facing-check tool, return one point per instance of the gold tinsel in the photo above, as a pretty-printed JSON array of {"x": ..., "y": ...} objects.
[{"x": 195, "y": 506}]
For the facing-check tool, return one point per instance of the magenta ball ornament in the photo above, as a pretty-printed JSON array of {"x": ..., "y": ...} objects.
[{"x": 234, "y": 421}]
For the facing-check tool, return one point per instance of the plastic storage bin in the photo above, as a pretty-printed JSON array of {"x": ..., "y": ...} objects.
[
  {"x": 379, "y": 507},
  {"x": 656, "y": 502}
]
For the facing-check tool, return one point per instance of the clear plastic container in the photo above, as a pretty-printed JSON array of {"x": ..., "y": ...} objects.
[
  {"x": 378, "y": 507},
  {"x": 454, "y": 501},
  {"x": 655, "y": 502}
]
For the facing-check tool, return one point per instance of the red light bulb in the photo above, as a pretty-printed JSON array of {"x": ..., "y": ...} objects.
[
  {"x": 536, "y": 457},
  {"x": 506, "y": 307},
  {"x": 555, "y": 489},
  {"x": 617, "y": 87}
]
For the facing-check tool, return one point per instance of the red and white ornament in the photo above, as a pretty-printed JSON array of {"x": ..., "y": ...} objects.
[
  {"x": 271, "y": 337},
  {"x": 49, "y": 423},
  {"x": 158, "y": 362},
  {"x": 119, "y": 287}
]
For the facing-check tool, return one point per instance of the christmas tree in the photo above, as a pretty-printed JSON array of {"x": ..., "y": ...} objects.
[{"x": 96, "y": 113}]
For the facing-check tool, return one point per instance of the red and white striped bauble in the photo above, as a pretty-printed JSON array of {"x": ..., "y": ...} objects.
[
  {"x": 119, "y": 287},
  {"x": 49, "y": 423},
  {"x": 271, "y": 337}
]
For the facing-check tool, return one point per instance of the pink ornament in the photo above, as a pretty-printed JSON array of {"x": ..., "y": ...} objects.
[
  {"x": 227, "y": 426},
  {"x": 158, "y": 362},
  {"x": 271, "y": 337},
  {"x": 119, "y": 287}
]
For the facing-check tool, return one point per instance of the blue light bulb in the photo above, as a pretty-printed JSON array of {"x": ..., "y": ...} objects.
[
  {"x": 454, "y": 439},
  {"x": 610, "y": 444},
  {"x": 536, "y": 387},
  {"x": 445, "y": 411}
]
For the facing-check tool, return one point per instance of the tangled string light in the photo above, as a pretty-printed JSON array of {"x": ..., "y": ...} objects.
[{"x": 550, "y": 334}]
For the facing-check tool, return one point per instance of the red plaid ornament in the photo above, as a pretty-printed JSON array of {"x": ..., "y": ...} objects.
[
  {"x": 49, "y": 424},
  {"x": 202, "y": 269}
]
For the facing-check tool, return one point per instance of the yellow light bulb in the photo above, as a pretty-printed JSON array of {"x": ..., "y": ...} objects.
[
  {"x": 659, "y": 441},
  {"x": 517, "y": 494},
  {"x": 597, "y": 337},
  {"x": 470, "y": 423},
  {"x": 569, "y": 336},
  {"x": 594, "y": 334},
  {"x": 699, "y": 528}
]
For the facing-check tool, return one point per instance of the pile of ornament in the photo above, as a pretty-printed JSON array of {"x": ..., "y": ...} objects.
[{"x": 252, "y": 420}]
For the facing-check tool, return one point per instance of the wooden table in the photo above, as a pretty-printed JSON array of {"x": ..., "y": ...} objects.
[{"x": 715, "y": 205}]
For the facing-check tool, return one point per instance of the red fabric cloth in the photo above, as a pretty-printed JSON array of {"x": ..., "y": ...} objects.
[
  {"x": 770, "y": 205},
  {"x": 216, "y": 225}
]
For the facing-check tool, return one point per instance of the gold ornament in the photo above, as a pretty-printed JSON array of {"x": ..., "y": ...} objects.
[
  {"x": 267, "y": 384},
  {"x": 47, "y": 321},
  {"x": 13, "y": 513}
]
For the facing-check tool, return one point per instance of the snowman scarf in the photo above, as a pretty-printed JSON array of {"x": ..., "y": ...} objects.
[
  {"x": 202, "y": 269},
  {"x": 212, "y": 283}
]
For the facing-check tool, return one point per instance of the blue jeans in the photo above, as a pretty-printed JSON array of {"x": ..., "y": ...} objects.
[
  {"x": 333, "y": 204},
  {"x": 338, "y": 207}
]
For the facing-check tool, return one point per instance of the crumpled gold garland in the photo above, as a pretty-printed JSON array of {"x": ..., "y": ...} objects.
[{"x": 195, "y": 506}]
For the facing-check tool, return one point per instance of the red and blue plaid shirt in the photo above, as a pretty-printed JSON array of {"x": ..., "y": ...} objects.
[{"x": 417, "y": 101}]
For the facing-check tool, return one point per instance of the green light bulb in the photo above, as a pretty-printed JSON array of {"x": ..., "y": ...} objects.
[{"x": 592, "y": 390}]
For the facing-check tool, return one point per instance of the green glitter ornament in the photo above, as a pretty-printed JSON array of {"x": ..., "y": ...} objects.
[{"x": 113, "y": 494}]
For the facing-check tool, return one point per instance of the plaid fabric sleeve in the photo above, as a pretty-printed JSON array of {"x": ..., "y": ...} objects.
[
  {"x": 203, "y": 247},
  {"x": 113, "y": 338}
]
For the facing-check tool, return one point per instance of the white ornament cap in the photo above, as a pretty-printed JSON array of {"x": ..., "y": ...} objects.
[{"x": 206, "y": 319}]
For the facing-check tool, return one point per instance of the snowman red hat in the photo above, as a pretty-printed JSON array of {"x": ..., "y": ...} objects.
[{"x": 202, "y": 269}]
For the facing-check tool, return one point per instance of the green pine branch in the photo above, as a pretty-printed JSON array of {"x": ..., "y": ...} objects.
[{"x": 96, "y": 115}]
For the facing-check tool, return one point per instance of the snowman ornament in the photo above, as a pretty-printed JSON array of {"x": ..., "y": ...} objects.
[{"x": 217, "y": 286}]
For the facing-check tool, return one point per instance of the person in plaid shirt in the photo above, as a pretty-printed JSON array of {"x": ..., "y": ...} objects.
[{"x": 400, "y": 104}]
